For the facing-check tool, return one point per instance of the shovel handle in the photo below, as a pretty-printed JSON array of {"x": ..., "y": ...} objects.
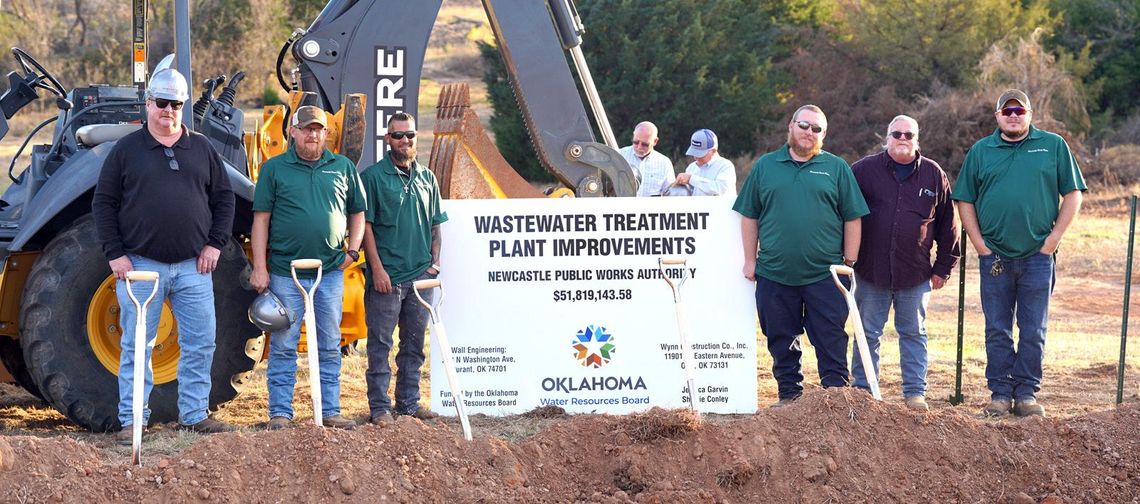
[
  {"x": 306, "y": 263},
  {"x": 142, "y": 276},
  {"x": 673, "y": 260},
  {"x": 430, "y": 283}
]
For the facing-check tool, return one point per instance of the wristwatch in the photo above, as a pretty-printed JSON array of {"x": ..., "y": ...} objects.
[
  {"x": 354, "y": 254},
  {"x": 849, "y": 262},
  {"x": 437, "y": 270}
]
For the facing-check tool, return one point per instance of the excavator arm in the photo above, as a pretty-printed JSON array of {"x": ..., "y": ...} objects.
[{"x": 377, "y": 47}]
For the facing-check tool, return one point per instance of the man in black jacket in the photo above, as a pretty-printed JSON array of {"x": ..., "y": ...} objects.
[
  {"x": 163, "y": 203},
  {"x": 909, "y": 199}
]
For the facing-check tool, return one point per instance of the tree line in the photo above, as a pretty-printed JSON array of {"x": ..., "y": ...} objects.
[{"x": 740, "y": 67}]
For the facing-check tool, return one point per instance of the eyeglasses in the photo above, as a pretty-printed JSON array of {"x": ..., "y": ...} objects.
[
  {"x": 642, "y": 144},
  {"x": 1008, "y": 111},
  {"x": 909, "y": 135},
  {"x": 170, "y": 160},
  {"x": 162, "y": 103},
  {"x": 804, "y": 125},
  {"x": 399, "y": 135},
  {"x": 313, "y": 131}
]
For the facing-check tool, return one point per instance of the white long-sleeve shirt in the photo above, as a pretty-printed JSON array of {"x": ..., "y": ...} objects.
[
  {"x": 716, "y": 178},
  {"x": 656, "y": 171}
]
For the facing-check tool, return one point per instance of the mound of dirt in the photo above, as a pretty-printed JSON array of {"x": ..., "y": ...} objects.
[{"x": 830, "y": 446}]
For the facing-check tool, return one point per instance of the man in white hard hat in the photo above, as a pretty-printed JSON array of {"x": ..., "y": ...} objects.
[{"x": 163, "y": 203}]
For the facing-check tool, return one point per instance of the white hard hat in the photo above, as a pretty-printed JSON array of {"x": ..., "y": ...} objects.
[{"x": 168, "y": 84}]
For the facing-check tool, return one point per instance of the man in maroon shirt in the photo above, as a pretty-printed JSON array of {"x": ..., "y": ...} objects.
[{"x": 909, "y": 198}]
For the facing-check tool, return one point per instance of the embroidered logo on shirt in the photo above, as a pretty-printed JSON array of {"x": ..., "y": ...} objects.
[
  {"x": 327, "y": 172},
  {"x": 1030, "y": 151},
  {"x": 819, "y": 173}
]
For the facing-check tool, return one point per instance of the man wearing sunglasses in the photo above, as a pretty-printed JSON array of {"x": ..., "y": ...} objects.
[
  {"x": 909, "y": 198},
  {"x": 653, "y": 168},
  {"x": 401, "y": 243},
  {"x": 308, "y": 204},
  {"x": 801, "y": 208},
  {"x": 1007, "y": 195},
  {"x": 163, "y": 203}
]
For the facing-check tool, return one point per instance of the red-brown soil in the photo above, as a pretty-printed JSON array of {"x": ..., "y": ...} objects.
[{"x": 830, "y": 446}]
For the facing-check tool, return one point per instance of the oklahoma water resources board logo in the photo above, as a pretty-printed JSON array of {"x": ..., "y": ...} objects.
[{"x": 593, "y": 346}]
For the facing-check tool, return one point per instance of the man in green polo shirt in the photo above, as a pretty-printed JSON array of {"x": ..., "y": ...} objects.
[
  {"x": 308, "y": 204},
  {"x": 1007, "y": 195},
  {"x": 401, "y": 243},
  {"x": 801, "y": 207}
]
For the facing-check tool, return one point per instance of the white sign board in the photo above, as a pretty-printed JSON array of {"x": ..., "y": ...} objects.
[{"x": 561, "y": 302}]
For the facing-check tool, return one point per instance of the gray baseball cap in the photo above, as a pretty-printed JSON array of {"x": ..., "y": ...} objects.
[{"x": 1013, "y": 94}]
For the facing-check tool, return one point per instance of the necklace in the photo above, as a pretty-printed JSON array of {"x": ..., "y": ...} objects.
[{"x": 406, "y": 180}]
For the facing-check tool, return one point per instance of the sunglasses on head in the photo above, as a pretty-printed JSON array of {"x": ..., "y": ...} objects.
[
  {"x": 1008, "y": 111},
  {"x": 163, "y": 103},
  {"x": 399, "y": 135},
  {"x": 170, "y": 160},
  {"x": 909, "y": 135},
  {"x": 804, "y": 125}
]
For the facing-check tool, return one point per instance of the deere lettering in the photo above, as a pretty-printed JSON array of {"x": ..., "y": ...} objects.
[
  {"x": 389, "y": 92},
  {"x": 567, "y": 384}
]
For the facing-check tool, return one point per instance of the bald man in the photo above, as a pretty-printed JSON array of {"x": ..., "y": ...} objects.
[{"x": 653, "y": 168}]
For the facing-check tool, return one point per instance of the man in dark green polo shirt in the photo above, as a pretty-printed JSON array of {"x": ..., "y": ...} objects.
[
  {"x": 801, "y": 207},
  {"x": 308, "y": 204},
  {"x": 1007, "y": 195},
  {"x": 401, "y": 243}
]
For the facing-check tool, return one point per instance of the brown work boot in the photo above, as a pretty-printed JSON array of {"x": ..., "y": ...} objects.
[
  {"x": 126, "y": 436},
  {"x": 1028, "y": 407},
  {"x": 997, "y": 408},
  {"x": 917, "y": 403},
  {"x": 277, "y": 423},
  {"x": 338, "y": 422},
  {"x": 422, "y": 414},
  {"x": 383, "y": 419},
  {"x": 209, "y": 426},
  {"x": 783, "y": 402}
]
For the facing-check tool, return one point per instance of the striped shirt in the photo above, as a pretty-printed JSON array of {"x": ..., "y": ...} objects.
[
  {"x": 716, "y": 178},
  {"x": 655, "y": 171}
]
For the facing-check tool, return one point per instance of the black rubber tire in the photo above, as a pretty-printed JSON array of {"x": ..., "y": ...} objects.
[
  {"x": 53, "y": 325},
  {"x": 13, "y": 358}
]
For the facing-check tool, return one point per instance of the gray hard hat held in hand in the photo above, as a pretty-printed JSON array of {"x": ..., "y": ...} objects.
[
  {"x": 269, "y": 314},
  {"x": 168, "y": 84}
]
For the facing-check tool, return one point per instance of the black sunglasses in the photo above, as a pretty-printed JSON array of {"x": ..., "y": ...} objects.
[
  {"x": 1008, "y": 111},
  {"x": 399, "y": 135},
  {"x": 170, "y": 160},
  {"x": 900, "y": 134},
  {"x": 163, "y": 103},
  {"x": 643, "y": 144},
  {"x": 804, "y": 125}
]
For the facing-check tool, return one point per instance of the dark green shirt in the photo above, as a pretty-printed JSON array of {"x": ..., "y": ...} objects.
[
  {"x": 402, "y": 208},
  {"x": 1016, "y": 189},
  {"x": 310, "y": 206},
  {"x": 801, "y": 209}
]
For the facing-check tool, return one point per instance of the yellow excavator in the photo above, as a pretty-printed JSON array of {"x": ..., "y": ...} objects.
[{"x": 360, "y": 60}]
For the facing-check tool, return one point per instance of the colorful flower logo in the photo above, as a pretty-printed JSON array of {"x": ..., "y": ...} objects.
[{"x": 594, "y": 347}]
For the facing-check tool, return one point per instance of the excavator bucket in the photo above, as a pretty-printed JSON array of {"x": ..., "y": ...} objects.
[{"x": 463, "y": 157}]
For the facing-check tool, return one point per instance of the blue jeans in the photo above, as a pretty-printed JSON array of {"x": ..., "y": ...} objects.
[
  {"x": 191, "y": 296},
  {"x": 785, "y": 313},
  {"x": 910, "y": 323},
  {"x": 1021, "y": 290},
  {"x": 383, "y": 312},
  {"x": 281, "y": 376}
]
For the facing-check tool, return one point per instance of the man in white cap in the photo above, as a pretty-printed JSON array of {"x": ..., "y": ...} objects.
[
  {"x": 708, "y": 174},
  {"x": 654, "y": 169},
  {"x": 1008, "y": 193},
  {"x": 163, "y": 203},
  {"x": 309, "y": 203}
]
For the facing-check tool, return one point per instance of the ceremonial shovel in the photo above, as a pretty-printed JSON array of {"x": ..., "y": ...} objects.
[
  {"x": 857, "y": 321},
  {"x": 311, "y": 333},
  {"x": 140, "y": 358},
  {"x": 682, "y": 324},
  {"x": 440, "y": 335}
]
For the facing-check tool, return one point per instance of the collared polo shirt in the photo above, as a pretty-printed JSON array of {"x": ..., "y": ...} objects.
[
  {"x": 801, "y": 209},
  {"x": 402, "y": 208},
  {"x": 908, "y": 214},
  {"x": 715, "y": 178},
  {"x": 655, "y": 171},
  {"x": 309, "y": 207},
  {"x": 1015, "y": 189}
]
